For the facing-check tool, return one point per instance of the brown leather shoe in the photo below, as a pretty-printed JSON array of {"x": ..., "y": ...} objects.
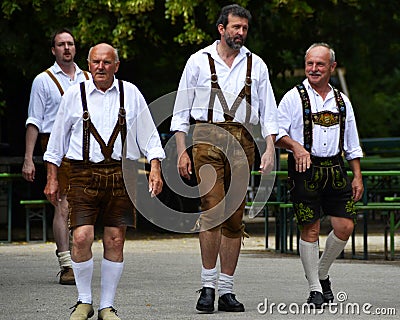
[
  {"x": 67, "y": 276},
  {"x": 82, "y": 311},
  {"x": 108, "y": 314}
]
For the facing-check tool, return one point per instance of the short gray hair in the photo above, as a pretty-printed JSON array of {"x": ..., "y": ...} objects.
[{"x": 322, "y": 44}]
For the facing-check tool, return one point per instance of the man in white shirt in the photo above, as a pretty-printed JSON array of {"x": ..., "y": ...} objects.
[
  {"x": 317, "y": 125},
  {"x": 225, "y": 88},
  {"x": 90, "y": 130},
  {"x": 47, "y": 90}
]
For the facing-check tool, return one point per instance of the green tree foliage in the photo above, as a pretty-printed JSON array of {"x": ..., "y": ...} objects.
[{"x": 155, "y": 38}]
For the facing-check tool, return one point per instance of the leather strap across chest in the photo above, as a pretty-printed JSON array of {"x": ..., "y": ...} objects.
[
  {"x": 89, "y": 128},
  {"x": 51, "y": 75},
  {"x": 229, "y": 114},
  {"x": 308, "y": 117}
]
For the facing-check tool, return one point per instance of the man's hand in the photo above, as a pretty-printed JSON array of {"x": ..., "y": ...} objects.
[
  {"x": 358, "y": 188},
  {"x": 51, "y": 190},
  {"x": 357, "y": 183},
  {"x": 267, "y": 162},
  {"x": 28, "y": 170},
  {"x": 268, "y": 157},
  {"x": 184, "y": 165},
  {"x": 155, "y": 180},
  {"x": 302, "y": 158}
]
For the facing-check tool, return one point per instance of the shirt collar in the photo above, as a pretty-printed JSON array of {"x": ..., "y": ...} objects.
[
  {"x": 57, "y": 69},
  {"x": 307, "y": 85},
  {"x": 92, "y": 87},
  {"x": 212, "y": 49}
]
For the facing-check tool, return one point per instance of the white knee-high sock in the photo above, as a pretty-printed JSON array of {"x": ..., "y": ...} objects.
[
  {"x": 333, "y": 247},
  {"x": 110, "y": 275},
  {"x": 309, "y": 255},
  {"x": 225, "y": 284},
  {"x": 83, "y": 272},
  {"x": 209, "y": 277}
]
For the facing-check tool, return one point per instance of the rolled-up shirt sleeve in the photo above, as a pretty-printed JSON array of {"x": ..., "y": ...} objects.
[
  {"x": 352, "y": 148},
  {"x": 142, "y": 133},
  {"x": 60, "y": 135},
  {"x": 184, "y": 98},
  {"x": 268, "y": 115}
]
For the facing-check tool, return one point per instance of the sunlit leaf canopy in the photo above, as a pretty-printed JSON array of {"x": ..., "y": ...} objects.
[{"x": 154, "y": 39}]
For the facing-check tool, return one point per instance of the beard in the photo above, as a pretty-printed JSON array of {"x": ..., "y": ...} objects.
[{"x": 233, "y": 43}]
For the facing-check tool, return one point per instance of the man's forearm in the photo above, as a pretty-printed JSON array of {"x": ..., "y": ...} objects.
[
  {"x": 31, "y": 135},
  {"x": 51, "y": 171},
  {"x": 180, "y": 138}
]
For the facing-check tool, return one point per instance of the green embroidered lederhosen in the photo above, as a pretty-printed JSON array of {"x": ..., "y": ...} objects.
[{"x": 323, "y": 170}]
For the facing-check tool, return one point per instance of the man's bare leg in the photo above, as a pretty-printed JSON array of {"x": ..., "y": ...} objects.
[{"x": 61, "y": 236}]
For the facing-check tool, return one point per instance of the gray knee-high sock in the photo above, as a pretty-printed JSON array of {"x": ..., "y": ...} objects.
[
  {"x": 333, "y": 247},
  {"x": 309, "y": 255}
]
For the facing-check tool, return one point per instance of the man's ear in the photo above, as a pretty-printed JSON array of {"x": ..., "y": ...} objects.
[{"x": 221, "y": 29}]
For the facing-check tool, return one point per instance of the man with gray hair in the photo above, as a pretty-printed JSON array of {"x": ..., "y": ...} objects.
[
  {"x": 317, "y": 126},
  {"x": 90, "y": 114}
]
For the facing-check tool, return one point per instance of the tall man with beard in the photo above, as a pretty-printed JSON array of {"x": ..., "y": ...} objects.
[{"x": 225, "y": 88}]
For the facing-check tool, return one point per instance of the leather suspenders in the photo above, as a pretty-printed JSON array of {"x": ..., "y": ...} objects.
[
  {"x": 51, "y": 75},
  {"x": 308, "y": 117},
  {"x": 229, "y": 114},
  {"x": 89, "y": 128}
]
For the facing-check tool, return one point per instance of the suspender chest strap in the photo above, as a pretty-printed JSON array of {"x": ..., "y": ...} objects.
[
  {"x": 51, "y": 75},
  {"x": 229, "y": 114},
  {"x": 88, "y": 127},
  {"x": 308, "y": 117}
]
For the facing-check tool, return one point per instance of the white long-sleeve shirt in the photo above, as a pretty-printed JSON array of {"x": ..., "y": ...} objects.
[
  {"x": 45, "y": 96},
  {"x": 194, "y": 91},
  {"x": 66, "y": 136},
  {"x": 325, "y": 140}
]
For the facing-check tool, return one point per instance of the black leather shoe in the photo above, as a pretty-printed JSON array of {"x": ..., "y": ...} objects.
[
  {"x": 326, "y": 290},
  {"x": 315, "y": 300},
  {"x": 228, "y": 302},
  {"x": 206, "y": 300}
]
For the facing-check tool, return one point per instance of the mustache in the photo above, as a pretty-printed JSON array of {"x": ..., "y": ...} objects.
[{"x": 314, "y": 73}]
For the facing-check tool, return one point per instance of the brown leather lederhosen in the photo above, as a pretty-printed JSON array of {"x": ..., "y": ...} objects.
[
  {"x": 98, "y": 188},
  {"x": 212, "y": 142}
]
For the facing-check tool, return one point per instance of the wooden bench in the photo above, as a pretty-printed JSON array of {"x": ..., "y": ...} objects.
[{"x": 35, "y": 210}]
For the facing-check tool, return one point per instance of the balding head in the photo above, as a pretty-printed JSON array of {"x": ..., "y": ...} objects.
[{"x": 103, "y": 64}]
